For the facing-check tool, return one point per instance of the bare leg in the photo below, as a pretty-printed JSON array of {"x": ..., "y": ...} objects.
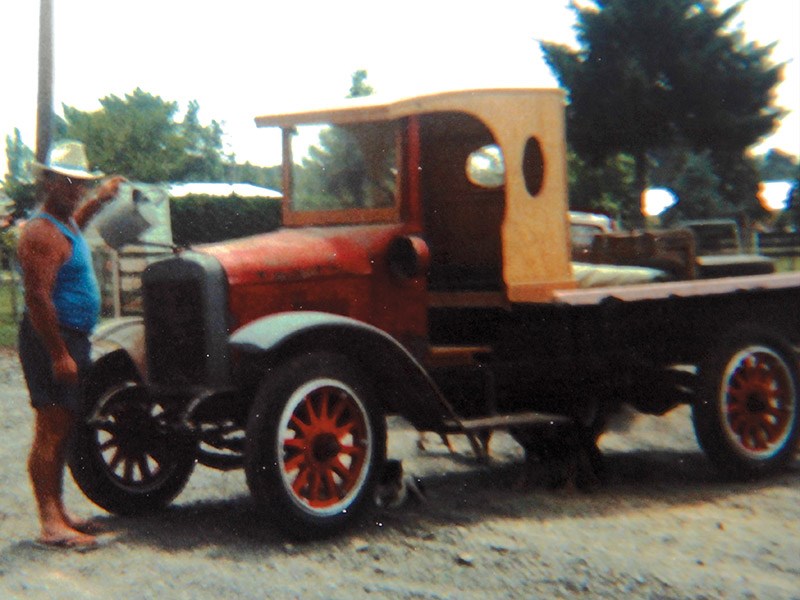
[{"x": 46, "y": 469}]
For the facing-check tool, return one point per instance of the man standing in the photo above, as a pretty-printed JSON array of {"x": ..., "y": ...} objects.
[{"x": 62, "y": 305}]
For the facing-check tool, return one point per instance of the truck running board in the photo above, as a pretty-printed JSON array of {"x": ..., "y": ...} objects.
[{"x": 523, "y": 419}]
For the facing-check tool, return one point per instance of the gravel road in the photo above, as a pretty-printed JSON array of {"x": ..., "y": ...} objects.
[{"x": 665, "y": 526}]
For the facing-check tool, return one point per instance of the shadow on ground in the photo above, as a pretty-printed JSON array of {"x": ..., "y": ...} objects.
[{"x": 652, "y": 478}]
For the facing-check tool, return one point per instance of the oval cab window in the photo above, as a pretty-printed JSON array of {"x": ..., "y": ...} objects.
[
  {"x": 533, "y": 167},
  {"x": 485, "y": 167}
]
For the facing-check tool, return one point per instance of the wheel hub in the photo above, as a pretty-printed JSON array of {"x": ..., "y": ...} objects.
[
  {"x": 756, "y": 404},
  {"x": 325, "y": 447}
]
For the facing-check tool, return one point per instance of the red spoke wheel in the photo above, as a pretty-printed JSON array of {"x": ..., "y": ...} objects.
[
  {"x": 125, "y": 456},
  {"x": 758, "y": 398},
  {"x": 323, "y": 441},
  {"x": 747, "y": 416},
  {"x": 315, "y": 443}
]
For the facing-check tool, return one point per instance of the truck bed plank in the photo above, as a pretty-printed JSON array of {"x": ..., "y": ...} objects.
[{"x": 681, "y": 289}]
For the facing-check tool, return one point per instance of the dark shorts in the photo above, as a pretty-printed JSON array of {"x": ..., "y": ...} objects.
[{"x": 38, "y": 370}]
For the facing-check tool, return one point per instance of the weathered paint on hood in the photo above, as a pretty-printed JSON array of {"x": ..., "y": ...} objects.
[{"x": 300, "y": 254}]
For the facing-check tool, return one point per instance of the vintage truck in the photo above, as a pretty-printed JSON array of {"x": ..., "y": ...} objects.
[{"x": 405, "y": 281}]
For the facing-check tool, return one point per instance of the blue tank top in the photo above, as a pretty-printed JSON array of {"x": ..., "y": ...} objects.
[{"x": 76, "y": 294}]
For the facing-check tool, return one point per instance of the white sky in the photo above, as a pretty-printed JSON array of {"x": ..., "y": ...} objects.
[{"x": 241, "y": 58}]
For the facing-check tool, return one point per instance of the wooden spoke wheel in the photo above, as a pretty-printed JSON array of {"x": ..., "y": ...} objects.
[
  {"x": 747, "y": 416},
  {"x": 315, "y": 444},
  {"x": 124, "y": 456}
]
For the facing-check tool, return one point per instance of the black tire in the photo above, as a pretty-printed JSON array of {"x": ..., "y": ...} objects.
[
  {"x": 746, "y": 415},
  {"x": 124, "y": 457},
  {"x": 316, "y": 443}
]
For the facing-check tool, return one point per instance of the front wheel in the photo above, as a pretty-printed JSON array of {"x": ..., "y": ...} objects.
[
  {"x": 746, "y": 417},
  {"x": 316, "y": 441},
  {"x": 125, "y": 457}
]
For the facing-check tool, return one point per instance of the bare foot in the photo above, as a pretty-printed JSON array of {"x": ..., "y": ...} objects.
[{"x": 66, "y": 537}]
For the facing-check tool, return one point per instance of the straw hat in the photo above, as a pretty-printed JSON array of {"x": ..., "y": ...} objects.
[{"x": 67, "y": 158}]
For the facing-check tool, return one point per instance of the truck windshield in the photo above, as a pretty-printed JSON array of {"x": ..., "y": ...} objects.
[{"x": 337, "y": 167}]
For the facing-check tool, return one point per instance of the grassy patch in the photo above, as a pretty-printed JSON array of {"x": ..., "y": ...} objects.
[
  {"x": 9, "y": 298},
  {"x": 785, "y": 264}
]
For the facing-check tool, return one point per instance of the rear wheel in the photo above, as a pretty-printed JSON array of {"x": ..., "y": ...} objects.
[
  {"x": 746, "y": 417},
  {"x": 316, "y": 442},
  {"x": 125, "y": 456}
]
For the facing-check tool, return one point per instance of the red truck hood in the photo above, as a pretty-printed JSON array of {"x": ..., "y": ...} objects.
[{"x": 298, "y": 254}]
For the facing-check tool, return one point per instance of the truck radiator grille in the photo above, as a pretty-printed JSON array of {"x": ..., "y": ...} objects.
[
  {"x": 185, "y": 311},
  {"x": 175, "y": 333}
]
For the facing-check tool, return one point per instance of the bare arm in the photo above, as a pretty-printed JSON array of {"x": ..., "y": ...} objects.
[
  {"x": 92, "y": 206},
  {"x": 42, "y": 251}
]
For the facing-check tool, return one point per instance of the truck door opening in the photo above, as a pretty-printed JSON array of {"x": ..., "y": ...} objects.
[{"x": 462, "y": 218}]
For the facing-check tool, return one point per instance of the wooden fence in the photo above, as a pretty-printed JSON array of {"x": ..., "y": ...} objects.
[{"x": 120, "y": 278}]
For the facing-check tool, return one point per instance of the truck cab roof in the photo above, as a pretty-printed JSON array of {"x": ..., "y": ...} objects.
[{"x": 376, "y": 108}]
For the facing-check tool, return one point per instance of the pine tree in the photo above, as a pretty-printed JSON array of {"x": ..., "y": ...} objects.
[{"x": 651, "y": 74}]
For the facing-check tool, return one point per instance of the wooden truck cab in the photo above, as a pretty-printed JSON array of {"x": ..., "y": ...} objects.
[{"x": 510, "y": 241}]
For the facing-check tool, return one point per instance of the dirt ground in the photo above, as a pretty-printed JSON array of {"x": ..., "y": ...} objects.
[{"x": 665, "y": 526}]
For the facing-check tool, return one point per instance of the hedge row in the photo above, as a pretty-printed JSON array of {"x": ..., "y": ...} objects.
[{"x": 204, "y": 219}]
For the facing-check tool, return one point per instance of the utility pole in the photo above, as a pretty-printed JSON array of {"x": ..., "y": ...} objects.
[{"x": 44, "y": 110}]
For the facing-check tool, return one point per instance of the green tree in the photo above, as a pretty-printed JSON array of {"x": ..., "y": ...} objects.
[
  {"x": 605, "y": 187},
  {"x": 651, "y": 74},
  {"x": 335, "y": 172},
  {"x": 776, "y": 165},
  {"x": 140, "y": 137},
  {"x": 692, "y": 179},
  {"x": 203, "y": 160},
  {"x": 359, "y": 86},
  {"x": 738, "y": 184},
  {"x": 18, "y": 183},
  {"x": 18, "y": 157},
  {"x": 268, "y": 177}
]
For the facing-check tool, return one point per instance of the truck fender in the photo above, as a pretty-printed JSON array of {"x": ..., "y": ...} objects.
[
  {"x": 407, "y": 388},
  {"x": 122, "y": 339}
]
